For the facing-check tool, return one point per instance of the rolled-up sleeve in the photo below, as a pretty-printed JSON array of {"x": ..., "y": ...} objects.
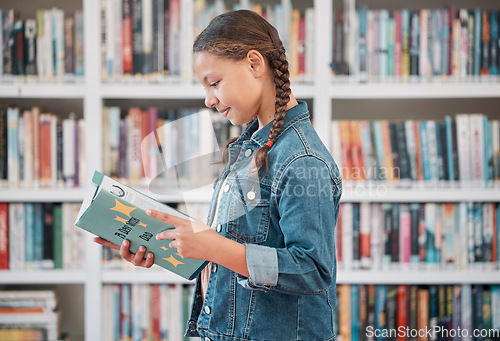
[{"x": 262, "y": 264}]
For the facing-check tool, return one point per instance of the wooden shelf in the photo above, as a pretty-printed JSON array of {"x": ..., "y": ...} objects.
[
  {"x": 352, "y": 192},
  {"x": 388, "y": 192},
  {"x": 142, "y": 276},
  {"x": 42, "y": 195},
  {"x": 42, "y": 90},
  {"x": 151, "y": 91},
  {"x": 418, "y": 277},
  {"x": 417, "y": 90},
  {"x": 43, "y": 277}
]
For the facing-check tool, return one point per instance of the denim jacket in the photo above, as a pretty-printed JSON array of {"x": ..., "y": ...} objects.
[{"x": 286, "y": 220}]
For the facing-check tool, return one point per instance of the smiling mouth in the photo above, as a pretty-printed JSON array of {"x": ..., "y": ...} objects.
[{"x": 224, "y": 112}]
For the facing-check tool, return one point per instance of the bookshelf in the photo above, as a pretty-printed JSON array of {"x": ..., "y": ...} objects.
[
  {"x": 42, "y": 91},
  {"x": 412, "y": 277},
  {"x": 413, "y": 91},
  {"x": 328, "y": 99}
]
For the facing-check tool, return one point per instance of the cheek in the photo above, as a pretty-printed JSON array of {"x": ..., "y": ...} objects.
[{"x": 234, "y": 96}]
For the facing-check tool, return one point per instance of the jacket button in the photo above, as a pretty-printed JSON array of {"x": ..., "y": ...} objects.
[
  {"x": 226, "y": 188},
  {"x": 251, "y": 195},
  {"x": 218, "y": 228},
  {"x": 214, "y": 267},
  {"x": 248, "y": 152},
  {"x": 207, "y": 338},
  {"x": 207, "y": 309}
]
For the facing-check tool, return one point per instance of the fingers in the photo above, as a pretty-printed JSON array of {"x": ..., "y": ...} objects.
[
  {"x": 166, "y": 218},
  {"x": 167, "y": 234},
  {"x": 104, "y": 242},
  {"x": 138, "y": 258},
  {"x": 179, "y": 224}
]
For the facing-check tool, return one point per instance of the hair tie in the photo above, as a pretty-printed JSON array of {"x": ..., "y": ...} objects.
[{"x": 269, "y": 144}]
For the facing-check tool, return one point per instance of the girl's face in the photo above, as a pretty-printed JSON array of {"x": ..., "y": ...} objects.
[{"x": 239, "y": 90}]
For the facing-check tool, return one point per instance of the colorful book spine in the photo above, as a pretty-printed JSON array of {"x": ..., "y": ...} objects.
[
  {"x": 13, "y": 146},
  {"x": 387, "y": 241},
  {"x": 485, "y": 44},
  {"x": 398, "y": 44},
  {"x": 423, "y": 44},
  {"x": 383, "y": 59},
  {"x": 476, "y": 69},
  {"x": 406, "y": 39},
  {"x": 425, "y": 150},
  {"x": 493, "y": 48},
  {"x": 405, "y": 239},
  {"x": 363, "y": 53},
  {"x": 4, "y": 236},
  {"x": 477, "y": 143},
  {"x": 445, "y": 41},
  {"x": 435, "y": 48},
  {"x": 377, "y": 236},
  {"x": 364, "y": 238},
  {"x": 355, "y": 323}
]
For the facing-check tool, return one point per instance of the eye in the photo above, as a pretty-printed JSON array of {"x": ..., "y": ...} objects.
[{"x": 214, "y": 84}]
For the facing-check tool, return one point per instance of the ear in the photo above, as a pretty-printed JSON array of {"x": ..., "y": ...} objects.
[{"x": 256, "y": 63}]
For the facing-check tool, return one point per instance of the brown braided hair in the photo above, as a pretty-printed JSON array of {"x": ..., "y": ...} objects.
[{"x": 232, "y": 35}]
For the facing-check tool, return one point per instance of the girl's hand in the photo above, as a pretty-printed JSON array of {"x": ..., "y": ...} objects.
[
  {"x": 188, "y": 237},
  {"x": 137, "y": 259}
]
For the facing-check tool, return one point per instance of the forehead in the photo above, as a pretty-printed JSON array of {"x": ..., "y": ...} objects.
[
  {"x": 207, "y": 63},
  {"x": 204, "y": 59}
]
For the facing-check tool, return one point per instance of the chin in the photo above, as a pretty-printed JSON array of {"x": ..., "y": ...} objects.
[{"x": 236, "y": 121}]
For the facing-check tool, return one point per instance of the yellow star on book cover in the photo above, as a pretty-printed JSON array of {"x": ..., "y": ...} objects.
[
  {"x": 121, "y": 220},
  {"x": 174, "y": 261},
  {"x": 122, "y": 208}
]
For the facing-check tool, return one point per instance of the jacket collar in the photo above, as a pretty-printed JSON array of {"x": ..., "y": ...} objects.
[{"x": 292, "y": 116}]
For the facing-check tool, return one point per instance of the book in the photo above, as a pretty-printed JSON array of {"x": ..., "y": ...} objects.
[
  {"x": 115, "y": 212},
  {"x": 4, "y": 236}
]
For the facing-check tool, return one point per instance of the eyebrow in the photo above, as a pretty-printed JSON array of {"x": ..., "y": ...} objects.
[
  {"x": 210, "y": 74},
  {"x": 205, "y": 79}
]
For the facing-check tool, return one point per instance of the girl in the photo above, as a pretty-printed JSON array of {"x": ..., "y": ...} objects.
[{"x": 272, "y": 219}]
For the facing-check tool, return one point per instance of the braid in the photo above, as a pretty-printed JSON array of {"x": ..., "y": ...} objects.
[{"x": 279, "y": 64}]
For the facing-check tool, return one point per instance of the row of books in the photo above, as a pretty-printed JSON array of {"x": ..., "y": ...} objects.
[
  {"x": 42, "y": 49},
  {"x": 436, "y": 312},
  {"x": 464, "y": 149},
  {"x": 418, "y": 236},
  {"x": 29, "y": 315},
  {"x": 426, "y": 44},
  {"x": 40, "y": 149},
  {"x": 36, "y": 236},
  {"x": 363, "y": 312},
  {"x": 373, "y": 236},
  {"x": 174, "y": 150},
  {"x": 140, "y": 37},
  {"x": 139, "y": 312},
  {"x": 295, "y": 27}
]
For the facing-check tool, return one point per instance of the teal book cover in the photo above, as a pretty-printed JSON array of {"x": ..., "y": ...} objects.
[{"x": 115, "y": 219}]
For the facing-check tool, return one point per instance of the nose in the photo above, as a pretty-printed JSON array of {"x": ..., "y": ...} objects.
[{"x": 210, "y": 100}]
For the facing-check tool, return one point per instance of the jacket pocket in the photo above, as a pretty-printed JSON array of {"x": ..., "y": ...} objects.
[{"x": 248, "y": 211}]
